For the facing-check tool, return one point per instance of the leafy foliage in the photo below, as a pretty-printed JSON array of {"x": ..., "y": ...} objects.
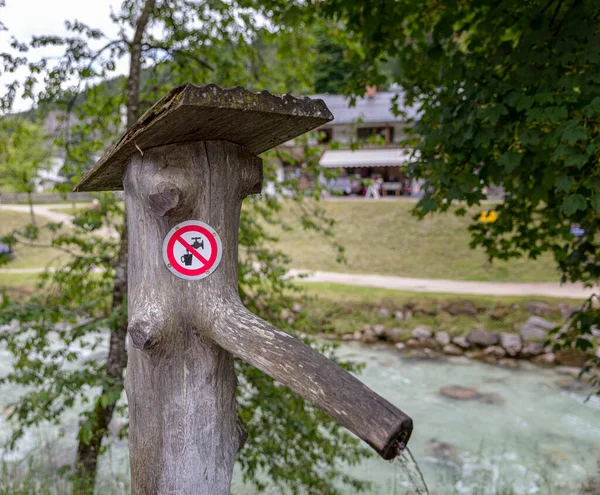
[
  {"x": 508, "y": 96},
  {"x": 331, "y": 65},
  {"x": 24, "y": 154}
]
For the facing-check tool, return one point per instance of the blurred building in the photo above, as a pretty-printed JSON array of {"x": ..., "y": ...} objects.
[{"x": 368, "y": 144}]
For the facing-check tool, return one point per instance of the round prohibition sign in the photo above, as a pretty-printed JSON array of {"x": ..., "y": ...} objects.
[{"x": 192, "y": 250}]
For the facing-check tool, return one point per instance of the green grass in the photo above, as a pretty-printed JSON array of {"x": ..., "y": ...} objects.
[
  {"x": 27, "y": 255},
  {"x": 379, "y": 237},
  {"x": 384, "y": 238},
  {"x": 19, "y": 282},
  {"x": 341, "y": 309}
]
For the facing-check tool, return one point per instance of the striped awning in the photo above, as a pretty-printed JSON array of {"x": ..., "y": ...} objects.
[{"x": 377, "y": 157}]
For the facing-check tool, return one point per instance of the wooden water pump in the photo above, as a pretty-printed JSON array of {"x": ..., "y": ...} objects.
[{"x": 185, "y": 167}]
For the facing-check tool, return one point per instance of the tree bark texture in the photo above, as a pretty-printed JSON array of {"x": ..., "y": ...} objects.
[
  {"x": 183, "y": 432},
  {"x": 135, "y": 64}
]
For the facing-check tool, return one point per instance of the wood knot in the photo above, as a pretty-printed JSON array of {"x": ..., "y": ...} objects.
[
  {"x": 143, "y": 335},
  {"x": 167, "y": 200}
]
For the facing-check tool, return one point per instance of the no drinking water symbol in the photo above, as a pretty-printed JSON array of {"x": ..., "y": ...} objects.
[
  {"x": 192, "y": 250},
  {"x": 188, "y": 257}
]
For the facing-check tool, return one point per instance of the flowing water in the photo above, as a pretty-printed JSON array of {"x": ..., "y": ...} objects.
[
  {"x": 535, "y": 432},
  {"x": 411, "y": 470}
]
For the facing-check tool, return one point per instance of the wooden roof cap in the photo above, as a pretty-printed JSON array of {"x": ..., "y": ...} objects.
[{"x": 258, "y": 121}]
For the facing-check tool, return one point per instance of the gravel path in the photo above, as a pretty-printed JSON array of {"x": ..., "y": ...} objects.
[
  {"x": 49, "y": 212},
  {"x": 43, "y": 210},
  {"x": 448, "y": 286}
]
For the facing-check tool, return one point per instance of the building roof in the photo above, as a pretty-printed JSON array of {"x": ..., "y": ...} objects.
[
  {"x": 376, "y": 157},
  {"x": 377, "y": 109}
]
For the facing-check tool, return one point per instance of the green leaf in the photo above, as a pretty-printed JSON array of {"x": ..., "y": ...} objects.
[
  {"x": 510, "y": 160},
  {"x": 576, "y": 159},
  {"x": 594, "y": 183},
  {"x": 573, "y": 203},
  {"x": 565, "y": 183},
  {"x": 427, "y": 204},
  {"x": 574, "y": 134},
  {"x": 495, "y": 112},
  {"x": 596, "y": 203},
  {"x": 593, "y": 109}
]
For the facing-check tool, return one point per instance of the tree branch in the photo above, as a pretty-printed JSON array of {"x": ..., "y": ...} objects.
[
  {"x": 135, "y": 68},
  {"x": 175, "y": 52}
]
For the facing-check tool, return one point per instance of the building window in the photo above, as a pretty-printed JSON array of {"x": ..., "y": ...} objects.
[{"x": 386, "y": 132}]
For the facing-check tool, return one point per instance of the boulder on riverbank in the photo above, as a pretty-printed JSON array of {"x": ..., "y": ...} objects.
[
  {"x": 536, "y": 329},
  {"x": 538, "y": 308},
  {"x": 452, "y": 350},
  {"x": 461, "y": 342},
  {"x": 511, "y": 343},
  {"x": 532, "y": 349},
  {"x": 546, "y": 359},
  {"x": 443, "y": 338},
  {"x": 446, "y": 337},
  {"x": 483, "y": 338},
  {"x": 422, "y": 332}
]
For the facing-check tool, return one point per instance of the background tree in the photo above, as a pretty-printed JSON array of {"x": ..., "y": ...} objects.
[
  {"x": 331, "y": 65},
  {"x": 168, "y": 43},
  {"x": 24, "y": 153},
  {"x": 508, "y": 96}
]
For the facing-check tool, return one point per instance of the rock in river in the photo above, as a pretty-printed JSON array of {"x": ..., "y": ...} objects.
[
  {"x": 423, "y": 354},
  {"x": 463, "y": 393},
  {"x": 442, "y": 450},
  {"x": 459, "y": 393}
]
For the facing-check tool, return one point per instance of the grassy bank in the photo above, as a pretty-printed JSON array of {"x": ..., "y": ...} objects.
[
  {"x": 379, "y": 238},
  {"x": 341, "y": 309},
  {"x": 29, "y": 255},
  {"x": 384, "y": 238}
]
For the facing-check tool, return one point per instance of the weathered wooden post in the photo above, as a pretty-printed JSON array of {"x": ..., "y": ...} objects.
[{"x": 186, "y": 166}]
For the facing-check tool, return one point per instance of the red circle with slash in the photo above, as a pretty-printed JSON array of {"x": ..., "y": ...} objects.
[{"x": 192, "y": 250}]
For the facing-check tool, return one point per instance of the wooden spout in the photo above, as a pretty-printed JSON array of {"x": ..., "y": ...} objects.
[{"x": 310, "y": 374}]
